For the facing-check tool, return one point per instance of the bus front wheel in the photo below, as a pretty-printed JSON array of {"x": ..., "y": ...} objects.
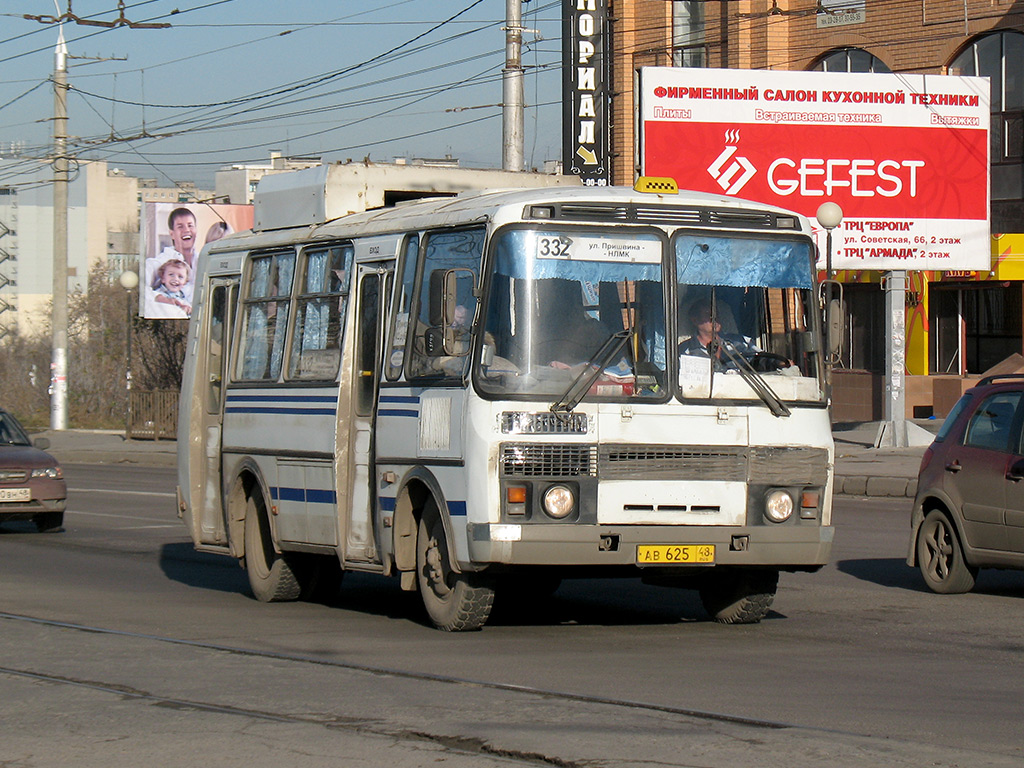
[
  {"x": 740, "y": 596},
  {"x": 455, "y": 602},
  {"x": 270, "y": 576}
]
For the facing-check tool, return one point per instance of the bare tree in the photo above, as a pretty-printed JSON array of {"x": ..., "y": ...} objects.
[{"x": 98, "y": 335}]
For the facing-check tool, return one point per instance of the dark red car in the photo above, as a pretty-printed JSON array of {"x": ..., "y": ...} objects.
[
  {"x": 969, "y": 509},
  {"x": 31, "y": 481}
]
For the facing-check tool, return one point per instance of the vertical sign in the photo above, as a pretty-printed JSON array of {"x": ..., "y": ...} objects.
[{"x": 586, "y": 86}]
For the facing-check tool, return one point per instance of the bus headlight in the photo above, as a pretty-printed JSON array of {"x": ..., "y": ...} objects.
[
  {"x": 558, "y": 501},
  {"x": 778, "y": 506}
]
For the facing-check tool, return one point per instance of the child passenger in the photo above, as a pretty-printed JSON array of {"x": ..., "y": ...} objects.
[{"x": 169, "y": 284}]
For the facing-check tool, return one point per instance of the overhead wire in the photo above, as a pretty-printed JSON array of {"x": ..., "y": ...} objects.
[{"x": 308, "y": 85}]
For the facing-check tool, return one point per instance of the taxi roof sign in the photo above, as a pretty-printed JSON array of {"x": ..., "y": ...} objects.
[{"x": 657, "y": 184}]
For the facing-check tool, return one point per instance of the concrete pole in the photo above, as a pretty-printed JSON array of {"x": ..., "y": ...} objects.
[
  {"x": 512, "y": 89},
  {"x": 892, "y": 433},
  {"x": 59, "y": 317}
]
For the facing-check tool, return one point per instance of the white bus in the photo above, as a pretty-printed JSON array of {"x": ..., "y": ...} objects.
[{"x": 499, "y": 390}]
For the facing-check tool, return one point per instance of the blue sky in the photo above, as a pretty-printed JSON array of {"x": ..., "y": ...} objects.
[{"x": 231, "y": 80}]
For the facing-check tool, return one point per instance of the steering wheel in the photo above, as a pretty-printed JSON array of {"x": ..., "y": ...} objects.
[{"x": 767, "y": 362}]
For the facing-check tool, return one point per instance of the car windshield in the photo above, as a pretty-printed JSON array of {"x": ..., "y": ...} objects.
[
  {"x": 744, "y": 316},
  {"x": 11, "y": 432},
  {"x": 560, "y": 300}
]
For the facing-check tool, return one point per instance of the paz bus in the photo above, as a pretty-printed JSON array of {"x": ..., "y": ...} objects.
[{"x": 494, "y": 391}]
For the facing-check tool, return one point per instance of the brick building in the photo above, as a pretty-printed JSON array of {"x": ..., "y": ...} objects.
[{"x": 959, "y": 324}]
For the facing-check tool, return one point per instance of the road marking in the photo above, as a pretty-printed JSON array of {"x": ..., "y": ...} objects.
[
  {"x": 109, "y": 514},
  {"x": 122, "y": 493}
]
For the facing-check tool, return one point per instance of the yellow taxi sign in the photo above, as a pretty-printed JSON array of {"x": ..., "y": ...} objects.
[{"x": 663, "y": 185}]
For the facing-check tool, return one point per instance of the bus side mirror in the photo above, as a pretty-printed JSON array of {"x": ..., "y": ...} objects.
[
  {"x": 831, "y": 297},
  {"x": 449, "y": 320},
  {"x": 835, "y": 328}
]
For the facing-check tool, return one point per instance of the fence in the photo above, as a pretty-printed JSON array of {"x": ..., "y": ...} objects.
[{"x": 152, "y": 415}]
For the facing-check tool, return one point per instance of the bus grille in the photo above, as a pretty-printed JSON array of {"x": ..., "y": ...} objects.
[
  {"x": 762, "y": 465},
  {"x": 537, "y": 460}
]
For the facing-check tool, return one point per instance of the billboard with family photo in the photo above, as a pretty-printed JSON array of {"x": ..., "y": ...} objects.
[{"x": 173, "y": 235}]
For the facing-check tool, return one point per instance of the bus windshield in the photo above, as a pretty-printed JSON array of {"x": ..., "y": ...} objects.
[
  {"x": 744, "y": 318},
  {"x": 558, "y": 297}
]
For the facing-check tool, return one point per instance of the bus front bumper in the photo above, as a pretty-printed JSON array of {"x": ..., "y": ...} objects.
[{"x": 783, "y": 546}]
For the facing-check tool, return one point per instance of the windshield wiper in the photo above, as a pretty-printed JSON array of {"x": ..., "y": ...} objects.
[
  {"x": 752, "y": 377},
  {"x": 580, "y": 385}
]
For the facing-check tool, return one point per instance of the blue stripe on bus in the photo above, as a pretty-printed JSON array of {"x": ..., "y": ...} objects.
[
  {"x": 269, "y": 409},
  {"x": 397, "y": 412},
  {"x": 283, "y": 398},
  {"x": 311, "y": 495},
  {"x": 387, "y": 503},
  {"x": 457, "y": 508},
  {"x": 399, "y": 399}
]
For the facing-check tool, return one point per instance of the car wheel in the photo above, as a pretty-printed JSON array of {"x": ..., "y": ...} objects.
[
  {"x": 739, "y": 597},
  {"x": 48, "y": 521},
  {"x": 455, "y": 602},
  {"x": 941, "y": 557}
]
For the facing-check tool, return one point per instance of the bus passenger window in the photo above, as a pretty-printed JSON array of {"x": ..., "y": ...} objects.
[
  {"x": 265, "y": 307},
  {"x": 320, "y": 313}
]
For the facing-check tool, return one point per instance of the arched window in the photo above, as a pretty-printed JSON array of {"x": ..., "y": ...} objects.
[
  {"x": 850, "y": 60},
  {"x": 1000, "y": 56}
]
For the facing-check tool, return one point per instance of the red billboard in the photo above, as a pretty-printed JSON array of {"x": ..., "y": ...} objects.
[{"x": 905, "y": 156}]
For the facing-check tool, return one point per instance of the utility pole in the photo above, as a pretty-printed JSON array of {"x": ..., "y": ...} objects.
[
  {"x": 512, "y": 89},
  {"x": 59, "y": 317}
]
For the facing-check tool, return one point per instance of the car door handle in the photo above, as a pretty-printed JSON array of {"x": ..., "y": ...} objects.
[
  {"x": 1016, "y": 472},
  {"x": 954, "y": 467}
]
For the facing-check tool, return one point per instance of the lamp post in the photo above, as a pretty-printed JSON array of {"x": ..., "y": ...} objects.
[
  {"x": 129, "y": 280},
  {"x": 829, "y": 216}
]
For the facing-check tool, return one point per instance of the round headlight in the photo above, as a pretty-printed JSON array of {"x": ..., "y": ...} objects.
[
  {"x": 559, "y": 501},
  {"x": 778, "y": 506}
]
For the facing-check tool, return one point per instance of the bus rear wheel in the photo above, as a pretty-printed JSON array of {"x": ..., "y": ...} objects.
[
  {"x": 455, "y": 602},
  {"x": 740, "y": 596},
  {"x": 271, "y": 578}
]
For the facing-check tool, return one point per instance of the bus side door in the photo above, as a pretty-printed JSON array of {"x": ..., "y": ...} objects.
[
  {"x": 373, "y": 281},
  {"x": 208, "y": 524}
]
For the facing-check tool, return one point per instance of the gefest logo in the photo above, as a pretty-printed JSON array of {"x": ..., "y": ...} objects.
[{"x": 731, "y": 176}]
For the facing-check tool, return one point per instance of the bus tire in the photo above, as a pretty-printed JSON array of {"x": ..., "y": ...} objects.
[
  {"x": 455, "y": 602},
  {"x": 271, "y": 578},
  {"x": 741, "y": 596}
]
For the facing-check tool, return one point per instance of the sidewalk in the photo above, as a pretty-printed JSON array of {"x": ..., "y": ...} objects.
[
  {"x": 101, "y": 446},
  {"x": 861, "y": 469}
]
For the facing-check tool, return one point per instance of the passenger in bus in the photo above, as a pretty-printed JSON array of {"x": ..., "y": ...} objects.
[
  {"x": 565, "y": 336},
  {"x": 169, "y": 284},
  {"x": 705, "y": 330}
]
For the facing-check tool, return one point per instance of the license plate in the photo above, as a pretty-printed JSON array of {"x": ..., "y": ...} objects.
[
  {"x": 675, "y": 554},
  {"x": 15, "y": 494}
]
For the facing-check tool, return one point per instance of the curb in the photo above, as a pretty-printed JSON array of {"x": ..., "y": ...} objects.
[
  {"x": 142, "y": 458},
  {"x": 883, "y": 487}
]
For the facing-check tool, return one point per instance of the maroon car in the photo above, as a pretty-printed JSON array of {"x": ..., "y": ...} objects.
[
  {"x": 969, "y": 509},
  {"x": 31, "y": 481}
]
